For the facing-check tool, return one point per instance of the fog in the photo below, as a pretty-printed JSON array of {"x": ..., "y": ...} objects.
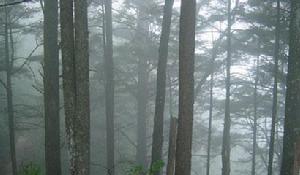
[{"x": 92, "y": 87}]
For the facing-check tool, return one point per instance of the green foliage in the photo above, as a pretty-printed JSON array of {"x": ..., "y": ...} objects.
[
  {"x": 138, "y": 170},
  {"x": 30, "y": 169},
  {"x": 156, "y": 167}
]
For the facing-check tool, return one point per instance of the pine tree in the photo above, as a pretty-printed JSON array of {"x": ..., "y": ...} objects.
[
  {"x": 291, "y": 139},
  {"x": 186, "y": 87},
  {"x": 227, "y": 121},
  {"x": 157, "y": 138},
  {"x": 75, "y": 55},
  {"x": 109, "y": 88},
  {"x": 51, "y": 88}
]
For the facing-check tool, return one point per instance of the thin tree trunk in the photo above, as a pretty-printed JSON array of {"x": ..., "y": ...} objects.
[
  {"x": 186, "y": 87},
  {"x": 172, "y": 146},
  {"x": 227, "y": 121},
  {"x": 209, "y": 124},
  {"x": 274, "y": 105},
  {"x": 142, "y": 95},
  {"x": 142, "y": 112},
  {"x": 290, "y": 158},
  {"x": 9, "y": 95},
  {"x": 109, "y": 89},
  {"x": 51, "y": 88},
  {"x": 254, "y": 142},
  {"x": 157, "y": 138}
]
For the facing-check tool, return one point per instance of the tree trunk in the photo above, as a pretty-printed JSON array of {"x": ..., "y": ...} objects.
[
  {"x": 227, "y": 121},
  {"x": 51, "y": 88},
  {"x": 9, "y": 95},
  {"x": 157, "y": 138},
  {"x": 142, "y": 112},
  {"x": 109, "y": 88},
  {"x": 142, "y": 95},
  {"x": 82, "y": 122},
  {"x": 292, "y": 121},
  {"x": 172, "y": 146},
  {"x": 76, "y": 83},
  {"x": 186, "y": 87},
  {"x": 254, "y": 142},
  {"x": 210, "y": 123},
  {"x": 274, "y": 107}
]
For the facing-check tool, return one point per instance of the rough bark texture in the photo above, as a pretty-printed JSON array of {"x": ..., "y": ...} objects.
[
  {"x": 292, "y": 110},
  {"x": 227, "y": 121},
  {"x": 209, "y": 124},
  {"x": 109, "y": 89},
  {"x": 157, "y": 137},
  {"x": 9, "y": 95},
  {"x": 274, "y": 105},
  {"x": 186, "y": 87},
  {"x": 142, "y": 95},
  {"x": 254, "y": 127},
  {"x": 76, "y": 83},
  {"x": 172, "y": 146},
  {"x": 51, "y": 88},
  {"x": 82, "y": 119}
]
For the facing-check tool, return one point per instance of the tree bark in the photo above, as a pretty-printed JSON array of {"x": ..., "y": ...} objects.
[
  {"x": 172, "y": 146},
  {"x": 274, "y": 105},
  {"x": 109, "y": 88},
  {"x": 186, "y": 87},
  {"x": 254, "y": 142},
  {"x": 227, "y": 121},
  {"x": 157, "y": 137},
  {"x": 142, "y": 95},
  {"x": 292, "y": 121},
  {"x": 210, "y": 123},
  {"x": 9, "y": 95},
  {"x": 76, "y": 83},
  {"x": 51, "y": 88},
  {"x": 82, "y": 121}
]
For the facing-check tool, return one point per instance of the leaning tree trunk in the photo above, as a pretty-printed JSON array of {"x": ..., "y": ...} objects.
[
  {"x": 9, "y": 96},
  {"x": 109, "y": 89},
  {"x": 51, "y": 88},
  {"x": 186, "y": 87},
  {"x": 274, "y": 105},
  {"x": 291, "y": 138},
  {"x": 158, "y": 131},
  {"x": 227, "y": 121},
  {"x": 76, "y": 83}
]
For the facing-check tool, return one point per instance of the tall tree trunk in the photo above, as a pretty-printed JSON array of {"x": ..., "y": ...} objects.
[
  {"x": 142, "y": 112},
  {"x": 82, "y": 122},
  {"x": 172, "y": 146},
  {"x": 76, "y": 83},
  {"x": 210, "y": 123},
  {"x": 9, "y": 95},
  {"x": 158, "y": 131},
  {"x": 186, "y": 87},
  {"x": 142, "y": 95},
  {"x": 291, "y": 139},
  {"x": 274, "y": 107},
  {"x": 109, "y": 89},
  {"x": 227, "y": 121},
  {"x": 51, "y": 88},
  {"x": 254, "y": 143}
]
